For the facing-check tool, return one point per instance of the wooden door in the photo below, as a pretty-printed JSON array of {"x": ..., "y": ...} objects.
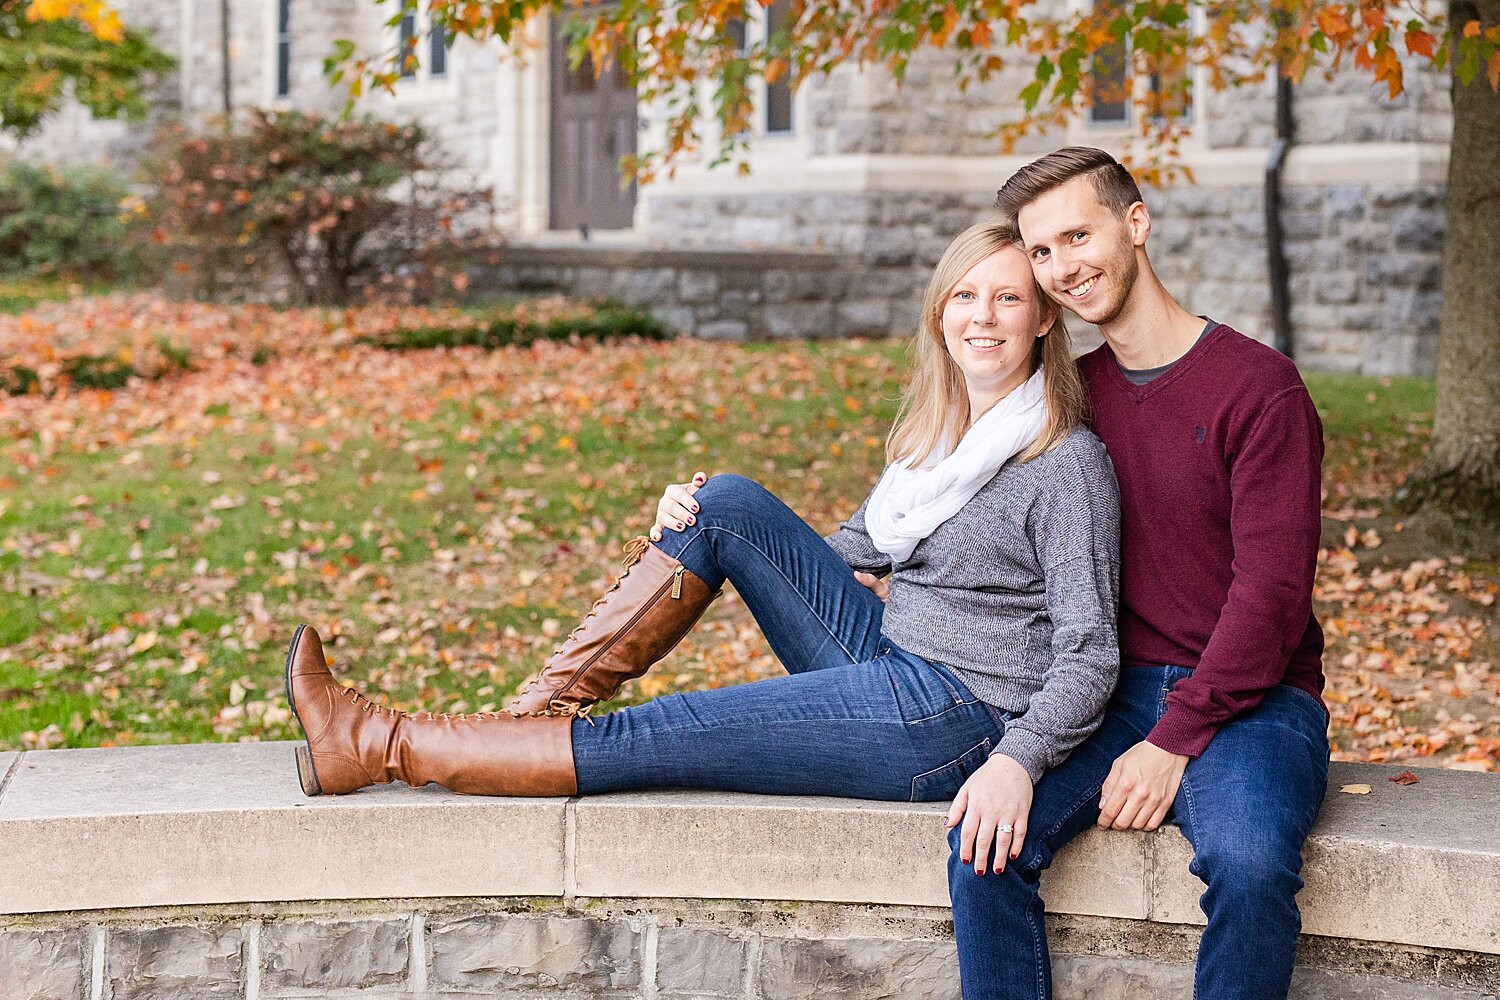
[{"x": 593, "y": 125}]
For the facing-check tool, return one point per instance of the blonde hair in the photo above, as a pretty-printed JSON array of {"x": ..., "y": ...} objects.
[{"x": 935, "y": 403}]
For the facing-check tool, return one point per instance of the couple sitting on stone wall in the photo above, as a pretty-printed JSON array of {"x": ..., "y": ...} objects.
[{"x": 962, "y": 635}]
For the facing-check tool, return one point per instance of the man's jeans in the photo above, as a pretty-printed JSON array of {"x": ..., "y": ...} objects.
[
  {"x": 856, "y": 716},
  {"x": 1245, "y": 805}
]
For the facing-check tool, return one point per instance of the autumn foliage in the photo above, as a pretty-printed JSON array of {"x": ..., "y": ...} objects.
[
  {"x": 59, "y": 348},
  {"x": 55, "y": 50},
  {"x": 445, "y": 514},
  {"x": 685, "y": 59}
]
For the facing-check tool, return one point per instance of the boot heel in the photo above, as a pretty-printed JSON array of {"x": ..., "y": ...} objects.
[{"x": 305, "y": 773}]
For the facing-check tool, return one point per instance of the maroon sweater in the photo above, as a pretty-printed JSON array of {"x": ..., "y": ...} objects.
[{"x": 1219, "y": 462}]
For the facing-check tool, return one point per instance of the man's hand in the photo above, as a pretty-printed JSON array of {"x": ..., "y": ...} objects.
[
  {"x": 1141, "y": 787},
  {"x": 996, "y": 796},
  {"x": 879, "y": 584}
]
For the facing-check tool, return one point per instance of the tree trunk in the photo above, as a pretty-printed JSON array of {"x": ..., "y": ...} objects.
[{"x": 1462, "y": 473}]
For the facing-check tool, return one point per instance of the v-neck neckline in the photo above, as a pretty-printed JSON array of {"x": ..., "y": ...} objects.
[{"x": 1141, "y": 393}]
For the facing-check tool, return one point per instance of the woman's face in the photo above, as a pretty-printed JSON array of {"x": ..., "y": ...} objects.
[{"x": 991, "y": 320}]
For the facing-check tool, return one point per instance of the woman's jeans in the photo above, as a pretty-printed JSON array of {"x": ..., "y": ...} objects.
[
  {"x": 1245, "y": 805},
  {"x": 856, "y": 716}
]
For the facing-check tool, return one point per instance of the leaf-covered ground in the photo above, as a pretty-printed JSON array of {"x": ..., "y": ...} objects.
[{"x": 446, "y": 515}]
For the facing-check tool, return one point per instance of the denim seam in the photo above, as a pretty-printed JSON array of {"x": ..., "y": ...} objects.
[
  {"x": 1038, "y": 948},
  {"x": 939, "y": 715},
  {"x": 705, "y": 529},
  {"x": 983, "y": 744},
  {"x": 731, "y": 723},
  {"x": 949, "y": 684},
  {"x": 1187, "y": 795}
]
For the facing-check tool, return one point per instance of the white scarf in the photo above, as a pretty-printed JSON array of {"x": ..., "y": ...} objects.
[{"x": 908, "y": 504}]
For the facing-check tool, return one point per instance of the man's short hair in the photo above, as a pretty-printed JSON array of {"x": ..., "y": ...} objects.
[{"x": 1112, "y": 182}]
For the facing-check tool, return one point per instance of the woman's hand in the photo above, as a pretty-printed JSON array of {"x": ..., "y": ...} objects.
[
  {"x": 677, "y": 509},
  {"x": 879, "y": 585},
  {"x": 995, "y": 797}
]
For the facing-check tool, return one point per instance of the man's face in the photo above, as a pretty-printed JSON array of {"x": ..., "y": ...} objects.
[{"x": 1082, "y": 254}]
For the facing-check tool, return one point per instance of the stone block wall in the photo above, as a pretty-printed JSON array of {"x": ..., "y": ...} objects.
[
  {"x": 925, "y": 114},
  {"x": 722, "y": 295},
  {"x": 120, "y": 881},
  {"x": 629, "y": 949},
  {"x": 1345, "y": 107},
  {"x": 1366, "y": 260},
  {"x": 1365, "y": 264}
]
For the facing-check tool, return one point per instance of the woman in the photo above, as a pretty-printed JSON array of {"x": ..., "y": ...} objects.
[{"x": 992, "y": 658}]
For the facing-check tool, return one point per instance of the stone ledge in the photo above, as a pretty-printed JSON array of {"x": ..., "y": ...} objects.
[
  {"x": 217, "y": 823},
  {"x": 226, "y": 823},
  {"x": 721, "y": 258}
]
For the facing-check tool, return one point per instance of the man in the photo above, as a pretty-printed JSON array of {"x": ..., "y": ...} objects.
[{"x": 1217, "y": 720}]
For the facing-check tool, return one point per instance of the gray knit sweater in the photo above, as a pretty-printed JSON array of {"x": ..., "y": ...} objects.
[{"x": 1017, "y": 593}]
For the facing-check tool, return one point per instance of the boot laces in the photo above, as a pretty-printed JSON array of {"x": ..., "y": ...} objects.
[
  {"x": 364, "y": 704},
  {"x": 635, "y": 550}
]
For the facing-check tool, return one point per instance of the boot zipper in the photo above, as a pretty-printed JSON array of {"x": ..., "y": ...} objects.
[
  {"x": 677, "y": 582},
  {"x": 640, "y": 613}
]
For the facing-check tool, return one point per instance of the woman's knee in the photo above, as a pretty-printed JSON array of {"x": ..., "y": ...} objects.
[{"x": 728, "y": 493}]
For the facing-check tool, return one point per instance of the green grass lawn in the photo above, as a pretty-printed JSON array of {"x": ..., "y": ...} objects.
[
  {"x": 150, "y": 588},
  {"x": 152, "y": 580}
]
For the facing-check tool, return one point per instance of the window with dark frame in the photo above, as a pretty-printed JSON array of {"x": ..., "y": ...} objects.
[
  {"x": 284, "y": 48},
  {"x": 437, "y": 44},
  {"x": 778, "y": 94},
  {"x": 1110, "y": 78},
  {"x": 1170, "y": 97},
  {"x": 407, "y": 40}
]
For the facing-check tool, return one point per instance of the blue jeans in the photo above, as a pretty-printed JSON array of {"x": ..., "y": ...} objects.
[
  {"x": 856, "y": 716},
  {"x": 1245, "y": 805}
]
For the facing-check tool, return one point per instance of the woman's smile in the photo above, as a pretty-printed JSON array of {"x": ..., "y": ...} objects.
[{"x": 991, "y": 320}]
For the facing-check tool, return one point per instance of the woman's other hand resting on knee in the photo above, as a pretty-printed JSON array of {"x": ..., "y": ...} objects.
[{"x": 992, "y": 805}]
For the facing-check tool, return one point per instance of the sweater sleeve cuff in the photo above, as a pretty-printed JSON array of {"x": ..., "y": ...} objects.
[
  {"x": 1027, "y": 749},
  {"x": 1180, "y": 731}
]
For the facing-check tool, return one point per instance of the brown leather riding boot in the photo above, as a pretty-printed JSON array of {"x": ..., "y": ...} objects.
[
  {"x": 353, "y": 742},
  {"x": 637, "y": 622}
]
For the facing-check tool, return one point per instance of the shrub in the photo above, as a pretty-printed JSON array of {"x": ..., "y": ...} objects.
[
  {"x": 552, "y": 318},
  {"x": 65, "y": 223},
  {"x": 334, "y": 206}
]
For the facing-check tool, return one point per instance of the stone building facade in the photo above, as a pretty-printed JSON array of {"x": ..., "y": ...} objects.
[{"x": 856, "y": 176}]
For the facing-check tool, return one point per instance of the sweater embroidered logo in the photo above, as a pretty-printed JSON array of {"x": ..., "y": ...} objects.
[{"x": 1200, "y": 433}]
